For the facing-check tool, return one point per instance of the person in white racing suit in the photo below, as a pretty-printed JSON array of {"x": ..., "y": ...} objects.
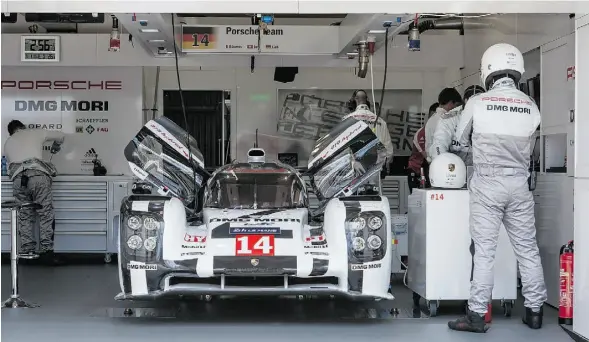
[
  {"x": 501, "y": 123},
  {"x": 448, "y": 99},
  {"x": 444, "y": 139}
]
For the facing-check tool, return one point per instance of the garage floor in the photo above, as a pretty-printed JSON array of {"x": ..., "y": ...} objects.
[{"x": 77, "y": 305}]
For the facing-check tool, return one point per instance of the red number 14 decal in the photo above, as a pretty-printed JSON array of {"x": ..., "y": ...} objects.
[
  {"x": 254, "y": 245},
  {"x": 437, "y": 197}
]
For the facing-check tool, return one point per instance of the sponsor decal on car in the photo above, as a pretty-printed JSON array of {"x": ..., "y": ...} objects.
[
  {"x": 146, "y": 267},
  {"x": 315, "y": 246},
  {"x": 239, "y": 219},
  {"x": 254, "y": 230},
  {"x": 363, "y": 267},
  {"x": 195, "y": 238},
  {"x": 193, "y": 246},
  {"x": 317, "y": 253},
  {"x": 192, "y": 253}
]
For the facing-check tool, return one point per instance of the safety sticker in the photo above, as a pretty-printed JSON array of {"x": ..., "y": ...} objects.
[{"x": 140, "y": 206}]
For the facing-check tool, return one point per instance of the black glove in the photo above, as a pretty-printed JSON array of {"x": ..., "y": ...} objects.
[{"x": 55, "y": 147}]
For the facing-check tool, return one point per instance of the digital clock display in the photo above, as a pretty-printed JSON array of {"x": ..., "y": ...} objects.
[
  {"x": 40, "y": 48},
  {"x": 40, "y": 45}
]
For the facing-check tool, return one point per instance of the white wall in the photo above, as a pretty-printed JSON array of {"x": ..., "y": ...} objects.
[
  {"x": 244, "y": 85},
  {"x": 525, "y": 31},
  {"x": 581, "y": 278}
]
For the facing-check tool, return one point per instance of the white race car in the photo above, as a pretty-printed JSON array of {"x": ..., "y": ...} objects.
[{"x": 253, "y": 232}]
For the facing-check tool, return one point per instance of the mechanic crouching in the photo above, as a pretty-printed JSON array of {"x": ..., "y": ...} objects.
[
  {"x": 31, "y": 178},
  {"x": 498, "y": 126}
]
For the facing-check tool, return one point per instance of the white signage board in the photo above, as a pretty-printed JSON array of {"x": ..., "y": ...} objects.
[
  {"x": 99, "y": 109},
  {"x": 308, "y": 40}
]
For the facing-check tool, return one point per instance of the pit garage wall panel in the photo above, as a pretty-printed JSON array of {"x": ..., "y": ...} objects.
[
  {"x": 98, "y": 108},
  {"x": 87, "y": 211},
  {"x": 581, "y": 196}
]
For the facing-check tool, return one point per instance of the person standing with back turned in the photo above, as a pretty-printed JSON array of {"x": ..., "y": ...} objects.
[
  {"x": 31, "y": 181},
  {"x": 501, "y": 122}
]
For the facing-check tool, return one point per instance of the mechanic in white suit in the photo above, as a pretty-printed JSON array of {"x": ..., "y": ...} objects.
[
  {"x": 448, "y": 99},
  {"x": 444, "y": 139},
  {"x": 501, "y": 123}
]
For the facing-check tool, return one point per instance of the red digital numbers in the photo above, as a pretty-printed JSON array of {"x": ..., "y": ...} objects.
[
  {"x": 254, "y": 245},
  {"x": 437, "y": 197}
]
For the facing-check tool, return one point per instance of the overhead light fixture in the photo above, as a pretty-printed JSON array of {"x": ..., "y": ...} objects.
[
  {"x": 156, "y": 41},
  {"x": 377, "y": 31},
  {"x": 150, "y": 30}
]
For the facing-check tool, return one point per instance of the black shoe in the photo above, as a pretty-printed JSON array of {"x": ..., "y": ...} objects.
[
  {"x": 533, "y": 319},
  {"x": 28, "y": 257},
  {"x": 49, "y": 258},
  {"x": 472, "y": 322}
]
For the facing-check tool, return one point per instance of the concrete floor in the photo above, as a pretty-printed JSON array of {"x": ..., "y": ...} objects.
[{"x": 77, "y": 305}]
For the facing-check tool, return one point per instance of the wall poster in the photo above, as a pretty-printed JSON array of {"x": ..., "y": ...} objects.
[
  {"x": 99, "y": 109},
  {"x": 306, "y": 115}
]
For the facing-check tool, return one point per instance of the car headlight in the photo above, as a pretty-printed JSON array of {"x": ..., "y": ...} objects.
[
  {"x": 134, "y": 242},
  {"x": 150, "y": 223},
  {"x": 359, "y": 223},
  {"x": 358, "y": 244},
  {"x": 134, "y": 222},
  {"x": 374, "y": 242},
  {"x": 150, "y": 243},
  {"x": 374, "y": 223}
]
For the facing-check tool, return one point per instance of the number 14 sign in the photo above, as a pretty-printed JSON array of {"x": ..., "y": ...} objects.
[
  {"x": 437, "y": 197},
  {"x": 254, "y": 245}
]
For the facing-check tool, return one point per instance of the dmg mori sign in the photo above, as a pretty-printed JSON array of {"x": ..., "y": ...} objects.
[{"x": 61, "y": 106}]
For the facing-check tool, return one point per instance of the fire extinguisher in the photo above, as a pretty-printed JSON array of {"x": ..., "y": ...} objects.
[{"x": 565, "y": 302}]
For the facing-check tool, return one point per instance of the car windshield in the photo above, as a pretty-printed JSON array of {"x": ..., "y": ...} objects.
[{"x": 242, "y": 186}]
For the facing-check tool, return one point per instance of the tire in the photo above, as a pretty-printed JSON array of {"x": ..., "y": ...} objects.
[
  {"x": 507, "y": 308},
  {"x": 433, "y": 308}
]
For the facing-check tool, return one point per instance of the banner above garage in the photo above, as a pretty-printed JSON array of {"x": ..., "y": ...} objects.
[{"x": 307, "y": 40}]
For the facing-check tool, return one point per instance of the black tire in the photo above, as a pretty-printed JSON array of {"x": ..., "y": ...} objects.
[
  {"x": 433, "y": 308},
  {"x": 416, "y": 299},
  {"x": 507, "y": 309}
]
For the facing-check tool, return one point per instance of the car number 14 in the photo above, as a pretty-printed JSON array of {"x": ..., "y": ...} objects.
[{"x": 258, "y": 245}]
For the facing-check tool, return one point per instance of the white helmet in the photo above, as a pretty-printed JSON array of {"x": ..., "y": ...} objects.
[
  {"x": 501, "y": 59},
  {"x": 447, "y": 171}
]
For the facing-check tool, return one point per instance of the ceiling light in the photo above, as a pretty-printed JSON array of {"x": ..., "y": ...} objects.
[
  {"x": 377, "y": 31},
  {"x": 156, "y": 41},
  {"x": 352, "y": 54},
  {"x": 149, "y": 30}
]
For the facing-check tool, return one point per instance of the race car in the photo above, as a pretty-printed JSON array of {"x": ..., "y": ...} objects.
[{"x": 247, "y": 229}]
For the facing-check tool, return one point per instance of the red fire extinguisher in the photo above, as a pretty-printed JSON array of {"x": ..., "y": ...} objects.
[
  {"x": 489, "y": 314},
  {"x": 565, "y": 303}
]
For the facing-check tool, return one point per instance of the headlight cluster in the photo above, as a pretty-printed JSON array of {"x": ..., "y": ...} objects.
[
  {"x": 142, "y": 232},
  {"x": 366, "y": 233}
]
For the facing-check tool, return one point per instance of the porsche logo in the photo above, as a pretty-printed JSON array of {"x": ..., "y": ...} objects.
[
  {"x": 255, "y": 262},
  {"x": 451, "y": 167}
]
